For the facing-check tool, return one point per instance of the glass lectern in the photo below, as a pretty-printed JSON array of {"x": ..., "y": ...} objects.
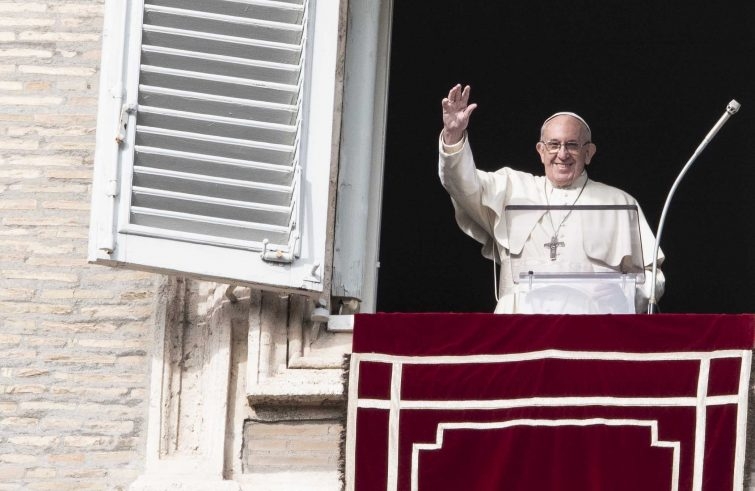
[{"x": 582, "y": 259}]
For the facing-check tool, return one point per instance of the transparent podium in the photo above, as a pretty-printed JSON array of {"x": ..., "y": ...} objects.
[{"x": 575, "y": 259}]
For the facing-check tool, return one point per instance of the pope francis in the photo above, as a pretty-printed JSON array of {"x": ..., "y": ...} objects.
[{"x": 554, "y": 238}]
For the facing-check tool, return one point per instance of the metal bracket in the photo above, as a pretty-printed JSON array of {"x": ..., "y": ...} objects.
[
  {"x": 275, "y": 255},
  {"x": 126, "y": 110},
  {"x": 314, "y": 276},
  {"x": 230, "y": 294}
]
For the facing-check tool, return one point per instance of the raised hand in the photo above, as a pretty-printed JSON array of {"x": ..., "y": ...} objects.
[{"x": 456, "y": 113}]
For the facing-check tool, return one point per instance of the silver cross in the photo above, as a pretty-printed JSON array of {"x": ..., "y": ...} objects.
[{"x": 553, "y": 244}]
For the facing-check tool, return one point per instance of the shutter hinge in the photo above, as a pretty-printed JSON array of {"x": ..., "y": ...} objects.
[
  {"x": 112, "y": 188},
  {"x": 126, "y": 110}
]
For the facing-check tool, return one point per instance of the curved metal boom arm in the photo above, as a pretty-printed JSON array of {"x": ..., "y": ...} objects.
[{"x": 731, "y": 109}]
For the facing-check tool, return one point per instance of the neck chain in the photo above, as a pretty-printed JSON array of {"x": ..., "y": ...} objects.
[{"x": 554, "y": 243}]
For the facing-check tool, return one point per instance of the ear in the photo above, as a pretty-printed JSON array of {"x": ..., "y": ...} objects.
[
  {"x": 590, "y": 152},
  {"x": 540, "y": 149}
]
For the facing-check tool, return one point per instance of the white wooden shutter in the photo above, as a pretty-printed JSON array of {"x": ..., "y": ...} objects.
[{"x": 214, "y": 138}]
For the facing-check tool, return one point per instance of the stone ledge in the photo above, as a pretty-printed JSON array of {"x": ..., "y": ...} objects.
[
  {"x": 284, "y": 390},
  {"x": 279, "y": 392},
  {"x": 310, "y": 387},
  {"x": 182, "y": 483},
  {"x": 291, "y": 480}
]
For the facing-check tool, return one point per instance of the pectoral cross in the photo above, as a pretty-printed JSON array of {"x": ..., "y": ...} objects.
[{"x": 553, "y": 244}]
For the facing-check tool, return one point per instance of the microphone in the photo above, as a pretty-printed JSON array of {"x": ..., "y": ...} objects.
[{"x": 731, "y": 109}]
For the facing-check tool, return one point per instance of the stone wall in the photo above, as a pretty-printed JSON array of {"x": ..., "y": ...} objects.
[
  {"x": 236, "y": 402},
  {"x": 73, "y": 337}
]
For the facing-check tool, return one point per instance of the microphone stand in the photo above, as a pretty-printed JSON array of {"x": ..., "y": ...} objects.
[{"x": 731, "y": 109}]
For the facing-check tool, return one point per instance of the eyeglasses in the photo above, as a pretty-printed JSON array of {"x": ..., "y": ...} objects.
[{"x": 571, "y": 147}]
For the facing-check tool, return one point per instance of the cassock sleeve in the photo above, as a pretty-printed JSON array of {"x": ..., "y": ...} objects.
[{"x": 470, "y": 190}]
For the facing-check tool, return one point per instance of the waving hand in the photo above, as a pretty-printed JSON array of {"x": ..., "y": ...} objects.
[{"x": 456, "y": 113}]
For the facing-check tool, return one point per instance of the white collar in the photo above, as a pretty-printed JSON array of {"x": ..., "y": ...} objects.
[{"x": 575, "y": 185}]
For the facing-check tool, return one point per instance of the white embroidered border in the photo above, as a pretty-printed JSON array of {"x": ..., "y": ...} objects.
[
  {"x": 393, "y": 426},
  {"x": 351, "y": 422},
  {"x": 739, "y": 453},
  {"x": 551, "y": 353},
  {"x": 701, "y": 416},
  {"x": 550, "y": 402},
  {"x": 442, "y": 427}
]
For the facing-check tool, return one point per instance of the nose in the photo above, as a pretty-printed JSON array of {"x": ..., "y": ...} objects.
[{"x": 563, "y": 154}]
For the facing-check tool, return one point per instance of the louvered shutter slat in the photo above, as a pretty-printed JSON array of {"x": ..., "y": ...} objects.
[
  {"x": 191, "y": 163},
  {"x": 271, "y": 10},
  {"x": 219, "y": 84},
  {"x": 218, "y": 126},
  {"x": 222, "y": 65},
  {"x": 211, "y": 226},
  {"x": 193, "y": 20},
  {"x": 218, "y": 105},
  {"x": 221, "y": 45},
  {"x": 215, "y": 148},
  {"x": 208, "y": 206},
  {"x": 212, "y": 187}
]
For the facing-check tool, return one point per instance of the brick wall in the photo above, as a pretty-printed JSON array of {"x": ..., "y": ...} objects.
[
  {"x": 280, "y": 446},
  {"x": 73, "y": 337}
]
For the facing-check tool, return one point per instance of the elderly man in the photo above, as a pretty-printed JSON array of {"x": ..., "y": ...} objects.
[{"x": 556, "y": 240}]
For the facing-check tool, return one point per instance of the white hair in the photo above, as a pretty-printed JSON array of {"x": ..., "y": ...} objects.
[{"x": 573, "y": 115}]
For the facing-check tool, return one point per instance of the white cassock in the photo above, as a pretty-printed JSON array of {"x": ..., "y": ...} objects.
[{"x": 479, "y": 199}]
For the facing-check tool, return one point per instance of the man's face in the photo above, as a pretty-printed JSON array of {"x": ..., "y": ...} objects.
[{"x": 563, "y": 166}]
